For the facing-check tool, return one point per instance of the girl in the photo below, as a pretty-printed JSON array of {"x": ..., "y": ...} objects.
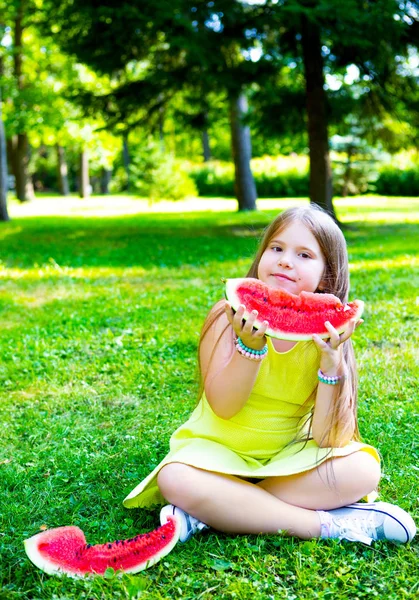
[{"x": 273, "y": 444}]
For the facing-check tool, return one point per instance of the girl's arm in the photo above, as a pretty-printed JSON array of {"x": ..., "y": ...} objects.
[
  {"x": 228, "y": 376},
  {"x": 331, "y": 364}
]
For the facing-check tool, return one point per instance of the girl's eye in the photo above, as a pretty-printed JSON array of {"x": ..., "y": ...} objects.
[
  {"x": 305, "y": 255},
  {"x": 276, "y": 248}
]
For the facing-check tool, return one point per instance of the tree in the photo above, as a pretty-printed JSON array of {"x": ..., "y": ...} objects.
[
  {"x": 40, "y": 111},
  {"x": 4, "y": 215},
  {"x": 321, "y": 37},
  {"x": 158, "y": 51},
  {"x": 182, "y": 48}
]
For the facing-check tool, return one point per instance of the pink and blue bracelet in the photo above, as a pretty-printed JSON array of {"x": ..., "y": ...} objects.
[
  {"x": 250, "y": 353},
  {"x": 328, "y": 379}
]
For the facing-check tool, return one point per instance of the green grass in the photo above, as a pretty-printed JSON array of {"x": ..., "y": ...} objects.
[{"x": 99, "y": 329}]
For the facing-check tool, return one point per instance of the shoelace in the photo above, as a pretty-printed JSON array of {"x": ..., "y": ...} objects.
[{"x": 354, "y": 529}]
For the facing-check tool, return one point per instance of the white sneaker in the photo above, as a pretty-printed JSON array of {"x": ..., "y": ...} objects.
[
  {"x": 366, "y": 522},
  {"x": 189, "y": 525}
]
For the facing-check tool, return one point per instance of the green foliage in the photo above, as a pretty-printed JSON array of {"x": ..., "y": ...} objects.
[
  {"x": 215, "y": 178},
  {"x": 355, "y": 179},
  {"x": 394, "y": 181},
  {"x": 158, "y": 175},
  {"x": 275, "y": 177},
  {"x": 98, "y": 337},
  {"x": 287, "y": 177}
]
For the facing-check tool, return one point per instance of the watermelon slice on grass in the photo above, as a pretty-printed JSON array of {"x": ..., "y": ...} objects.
[
  {"x": 64, "y": 550},
  {"x": 291, "y": 317}
]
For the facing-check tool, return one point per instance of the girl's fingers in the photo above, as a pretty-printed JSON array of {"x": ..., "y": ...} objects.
[
  {"x": 248, "y": 326},
  {"x": 238, "y": 324},
  {"x": 349, "y": 331},
  {"x": 236, "y": 321},
  {"x": 262, "y": 329},
  {"x": 229, "y": 312},
  {"x": 321, "y": 344},
  {"x": 334, "y": 336}
]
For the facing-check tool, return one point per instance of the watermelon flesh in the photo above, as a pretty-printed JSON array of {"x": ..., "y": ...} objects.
[
  {"x": 291, "y": 317},
  {"x": 64, "y": 550}
]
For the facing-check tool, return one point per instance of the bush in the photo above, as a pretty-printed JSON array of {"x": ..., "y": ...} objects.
[
  {"x": 159, "y": 176},
  {"x": 393, "y": 181},
  {"x": 281, "y": 176},
  {"x": 362, "y": 173},
  {"x": 215, "y": 178}
]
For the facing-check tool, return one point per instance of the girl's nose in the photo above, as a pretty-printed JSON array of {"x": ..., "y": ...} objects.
[{"x": 285, "y": 260}]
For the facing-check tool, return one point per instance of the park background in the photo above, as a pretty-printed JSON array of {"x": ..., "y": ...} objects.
[{"x": 144, "y": 147}]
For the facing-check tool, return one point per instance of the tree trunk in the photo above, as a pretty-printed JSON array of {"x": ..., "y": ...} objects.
[
  {"x": 24, "y": 187},
  {"x": 348, "y": 171},
  {"x": 244, "y": 184},
  {"x": 105, "y": 181},
  {"x": 321, "y": 191},
  {"x": 206, "y": 150},
  {"x": 4, "y": 215},
  {"x": 62, "y": 171},
  {"x": 84, "y": 190},
  {"x": 126, "y": 159}
]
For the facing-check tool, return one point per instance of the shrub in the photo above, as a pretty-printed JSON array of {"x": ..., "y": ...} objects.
[
  {"x": 159, "y": 176},
  {"x": 361, "y": 174},
  {"x": 274, "y": 177},
  {"x": 393, "y": 181}
]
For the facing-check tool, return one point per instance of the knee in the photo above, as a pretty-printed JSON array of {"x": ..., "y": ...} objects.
[
  {"x": 174, "y": 480},
  {"x": 368, "y": 470}
]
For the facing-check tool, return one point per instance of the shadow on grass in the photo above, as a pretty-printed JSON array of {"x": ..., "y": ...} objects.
[{"x": 172, "y": 240}]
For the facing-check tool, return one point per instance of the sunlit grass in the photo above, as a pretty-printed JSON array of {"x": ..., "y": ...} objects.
[
  {"x": 98, "y": 335},
  {"x": 368, "y": 208}
]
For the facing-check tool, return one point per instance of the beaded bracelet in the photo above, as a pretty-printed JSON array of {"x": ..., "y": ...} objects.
[
  {"x": 247, "y": 352},
  {"x": 328, "y": 379}
]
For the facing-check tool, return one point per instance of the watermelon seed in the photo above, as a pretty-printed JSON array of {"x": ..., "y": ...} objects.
[
  {"x": 163, "y": 537},
  {"x": 88, "y": 546},
  {"x": 109, "y": 546}
]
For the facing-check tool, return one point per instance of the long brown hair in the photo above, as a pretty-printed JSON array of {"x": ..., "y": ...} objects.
[{"x": 335, "y": 280}]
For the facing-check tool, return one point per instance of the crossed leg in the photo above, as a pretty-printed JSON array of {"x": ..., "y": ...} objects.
[
  {"x": 335, "y": 483},
  {"x": 288, "y": 504}
]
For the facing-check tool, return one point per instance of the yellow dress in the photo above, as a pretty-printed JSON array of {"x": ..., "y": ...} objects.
[{"x": 257, "y": 441}]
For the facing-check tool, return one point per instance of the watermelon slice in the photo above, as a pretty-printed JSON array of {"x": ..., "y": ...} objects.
[
  {"x": 291, "y": 317},
  {"x": 64, "y": 550}
]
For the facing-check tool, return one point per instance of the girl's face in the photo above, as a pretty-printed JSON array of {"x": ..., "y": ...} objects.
[{"x": 292, "y": 260}]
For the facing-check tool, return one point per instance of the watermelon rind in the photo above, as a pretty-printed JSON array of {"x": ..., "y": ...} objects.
[
  {"x": 232, "y": 285},
  {"x": 73, "y": 539},
  {"x": 33, "y": 543}
]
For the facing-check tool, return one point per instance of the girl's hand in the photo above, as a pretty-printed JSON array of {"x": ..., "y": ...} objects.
[
  {"x": 253, "y": 338},
  {"x": 331, "y": 348}
]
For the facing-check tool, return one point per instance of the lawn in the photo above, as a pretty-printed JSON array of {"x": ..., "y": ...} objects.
[{"x": 100, "y": 319}]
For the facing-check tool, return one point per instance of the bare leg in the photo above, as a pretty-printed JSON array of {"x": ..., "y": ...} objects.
[
  {"x": 230, "y": 504},
  {"x": 335, "y": 483}
]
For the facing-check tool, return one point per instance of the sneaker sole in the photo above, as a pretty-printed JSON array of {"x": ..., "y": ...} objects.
[{"x": 395, "y": 512}]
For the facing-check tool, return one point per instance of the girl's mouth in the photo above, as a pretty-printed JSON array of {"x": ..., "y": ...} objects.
[{"x": 282, "y": 276}]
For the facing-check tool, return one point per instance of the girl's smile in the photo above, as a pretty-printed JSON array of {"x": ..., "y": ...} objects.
[{"x": 293, "y": 260}]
